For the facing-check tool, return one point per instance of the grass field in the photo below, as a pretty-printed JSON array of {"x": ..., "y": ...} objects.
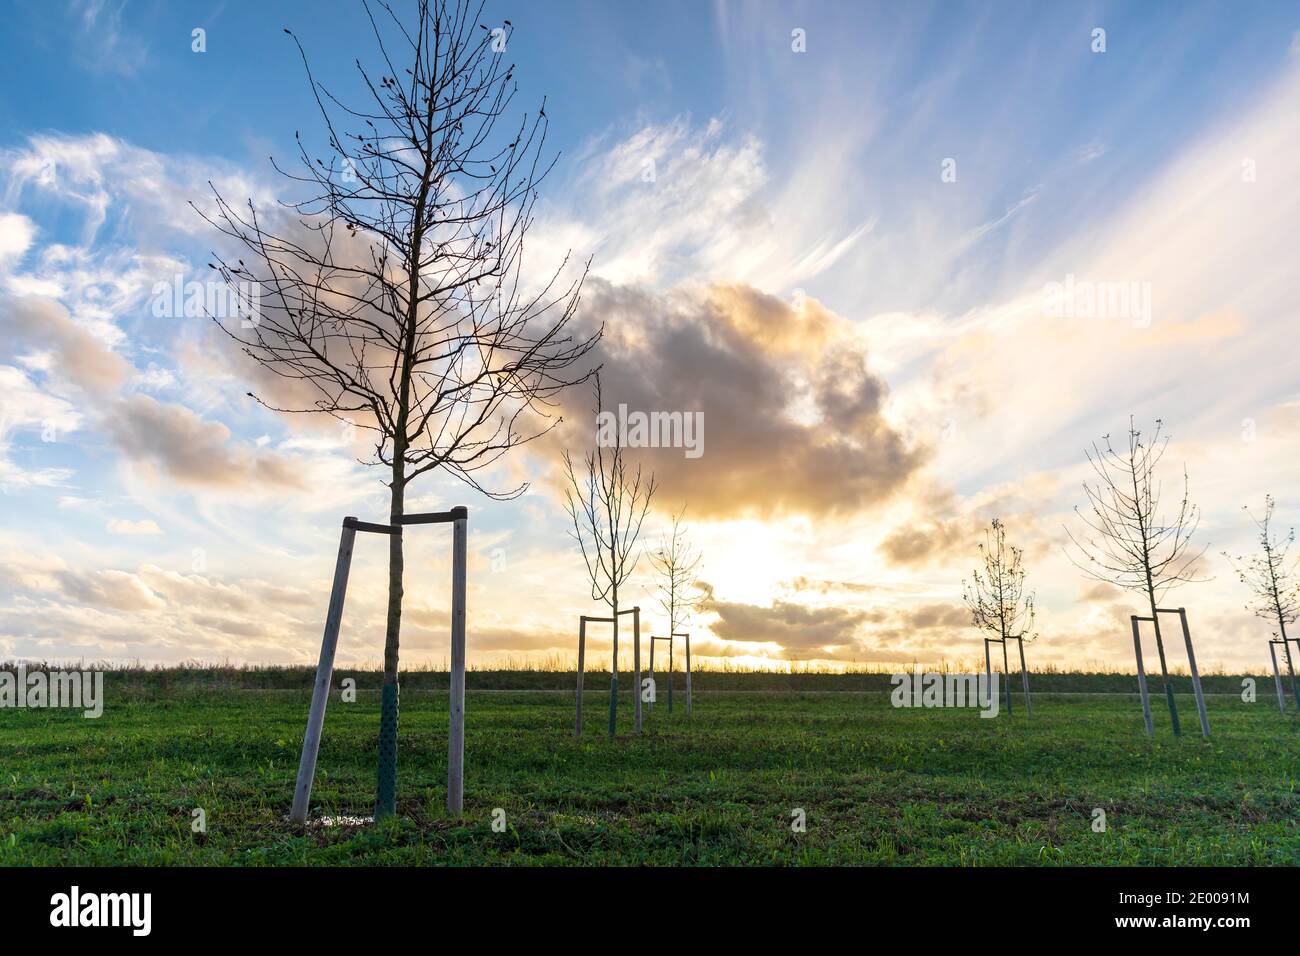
[{"x": 877, "y": 785}]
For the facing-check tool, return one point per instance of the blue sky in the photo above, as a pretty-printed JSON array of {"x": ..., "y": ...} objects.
[
  {"x": 1010, "y": 89},
  {"x": 813, "y": 175}
]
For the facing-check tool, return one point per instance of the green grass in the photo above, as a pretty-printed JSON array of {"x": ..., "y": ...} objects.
[{"x": 878, "y": 785}]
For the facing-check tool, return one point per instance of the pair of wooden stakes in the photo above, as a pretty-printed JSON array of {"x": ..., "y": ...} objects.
[
  {"x": 1006, "y": 673},
  {"x": 1169, "y": 691},
  {"x": 1285, "y": 643},
  {"x": 636, "y": 669},
  {"x": 458, "y": 518}
]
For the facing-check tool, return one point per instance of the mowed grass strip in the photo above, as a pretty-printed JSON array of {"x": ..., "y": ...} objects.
[{"x": 876, "y": 785}]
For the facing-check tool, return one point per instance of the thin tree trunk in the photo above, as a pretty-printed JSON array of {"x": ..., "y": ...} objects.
[
  {"x": 389, "y": 706},
  {"x": 1164, "y": 669},
  {"x": 396, "y": 572},
  {"x": 1151, "y": 597},
  {"x": 613, "y": 673},
  {"x": 386, "y": 786}
]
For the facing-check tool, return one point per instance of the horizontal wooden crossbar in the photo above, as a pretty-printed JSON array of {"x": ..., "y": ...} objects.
[
  {"x": 1159, "y": 610},
  {"x": 431, "y": 517},
  {"x": 356, "y": 525},
  {"x": 607, "y": 620},
  {"x": 437, "y": 517}
]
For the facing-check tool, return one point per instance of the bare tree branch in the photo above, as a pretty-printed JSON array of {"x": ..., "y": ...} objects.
[
  {"x": 677, "y": 562},
  {"x": 996, "y": 596},
  {"x": 1270, "y": 574}
]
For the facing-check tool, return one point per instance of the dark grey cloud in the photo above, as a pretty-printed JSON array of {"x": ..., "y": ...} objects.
[
  {"x": 169, "y": 437},
  {"x": 793, "y": 418},
  {"x": 929, "y": 616},
  {"x": 933, "y": 541},
  {"x": 108, "y": 590},
  {"x": 191, "y": 449},
  {"x": 78, "y": 356},
  {"x": 800, "y": 630}
]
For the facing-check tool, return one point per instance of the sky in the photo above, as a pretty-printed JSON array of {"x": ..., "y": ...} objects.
[{"x": 841, "y": 232}]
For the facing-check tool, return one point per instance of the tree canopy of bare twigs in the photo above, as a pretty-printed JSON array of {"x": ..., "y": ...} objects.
[
  {"x": 392, "y": 292},
  {"x": 1128, "y": 542},
  {"x": 607, "y": 501},
  {"x": 676, "y": 563},
  {"x": 1270, "y": 574},
  {"x": 996, "y": 594},
  {"x": 607, "y": 506}
]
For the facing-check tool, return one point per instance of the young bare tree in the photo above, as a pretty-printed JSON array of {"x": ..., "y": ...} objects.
[
  {"x": 1128, "y": 542},
  {"x": 997, "y": 599},
  {"x": 1271, "y": 577},
  {"x": 607, "y": 505},
  {"x": 392, "y": 294},
  {"x": 676, "y": 563}
]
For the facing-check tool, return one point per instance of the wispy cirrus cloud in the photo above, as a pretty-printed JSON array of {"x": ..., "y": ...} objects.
[{"x": 103, "y": 43}]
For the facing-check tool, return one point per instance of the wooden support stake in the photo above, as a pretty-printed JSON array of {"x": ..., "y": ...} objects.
[
  {"x": 1286, "y": 649},
  {"x": 1142, "y": 677},
  {"x": 1277, "y": 677},
  {"x": 988, "y": 669},
  {"x": 456, "y": 735},
  {"x": 1024, "y": 676},
  {"x": 651, "y": 705},
  {"x": 670, "y": 671},
  {"x": 1006, "y": 673},
  {"x": 1196, "y": 677},
  {"x": 324, "y": 674},
  {"x": 688, "y": 676},
  {"x": 636, "y": 668},
  {"x": 582, "y": 665}
]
